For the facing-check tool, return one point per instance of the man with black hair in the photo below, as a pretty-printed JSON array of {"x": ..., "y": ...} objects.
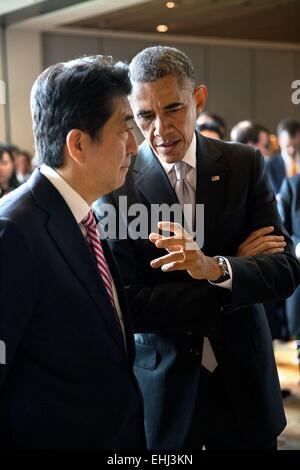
[
  {"x": 252, "y": 134},
  {"x": 68, "y": 381},
  {"x": 287, "y": 163}
]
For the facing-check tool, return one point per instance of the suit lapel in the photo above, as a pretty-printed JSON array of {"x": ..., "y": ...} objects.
[
  {"x": 211, "y": 183},
  {"x": 151, "y": 178},
  {"x": 66, "y": 234}
]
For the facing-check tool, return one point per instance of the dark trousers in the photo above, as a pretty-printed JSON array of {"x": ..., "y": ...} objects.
[{"x": 213, "y": 421}]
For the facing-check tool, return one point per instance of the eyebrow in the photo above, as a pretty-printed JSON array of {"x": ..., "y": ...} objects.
[
  {"x": 144, "y": 112},
  {"x": 173, "y": 105}
]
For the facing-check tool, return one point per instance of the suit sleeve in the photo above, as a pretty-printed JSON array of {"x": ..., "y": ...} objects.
[
  {"x": 268, "y": 277},
  {"x": 166, "y": 307},
  {"x": 17, "y": 292}
]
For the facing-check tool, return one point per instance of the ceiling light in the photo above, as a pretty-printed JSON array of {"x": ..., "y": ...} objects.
[
  {"x": 162, "y": 28},
  {"x": 170, "y": 4}
]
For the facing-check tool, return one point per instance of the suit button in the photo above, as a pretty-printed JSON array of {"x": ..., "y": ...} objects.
[
  {"x": 194, "y": 352},
  {"x": 222, "y": 308}
]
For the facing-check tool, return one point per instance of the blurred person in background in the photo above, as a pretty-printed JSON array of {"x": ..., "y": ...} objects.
[
  {"x": 289, "y": 209},
  {"x": 258, "y": 136},
  {"x": 8, "y": 180},
  {"x": 23, "y": 166},
  {"x": 286, "y": 163},
  {"x": 210, "y": 129},
  {"x": 211, "y": 118},
  {"x": 252, "y": 134}
]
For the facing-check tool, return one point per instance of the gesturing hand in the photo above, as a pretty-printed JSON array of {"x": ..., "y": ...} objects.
[{"x": 183, "y": 254}]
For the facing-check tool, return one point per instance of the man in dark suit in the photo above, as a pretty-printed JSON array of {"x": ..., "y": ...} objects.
[
  {"x": 232, "y": 400},
  {"x": 68, "y": 379},
  {"x": 287, "y": 163}
]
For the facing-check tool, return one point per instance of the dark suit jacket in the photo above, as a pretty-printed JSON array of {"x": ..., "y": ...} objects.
[
  {"x": 67, "y": 382},
  {"x": 275, "y": 168},
  {"x": 171, "y": 310},
  {"x": 289, "y": 208}
]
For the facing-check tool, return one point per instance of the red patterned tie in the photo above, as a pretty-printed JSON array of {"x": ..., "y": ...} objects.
[{"x": 93, "y": 239}]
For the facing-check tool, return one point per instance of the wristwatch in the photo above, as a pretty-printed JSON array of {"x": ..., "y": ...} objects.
[{"x": 224, "y": 269}]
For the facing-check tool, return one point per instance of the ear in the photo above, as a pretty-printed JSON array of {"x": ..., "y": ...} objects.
[
  {"x": 200, "y": 94},
  {"x": 75, "y": 143}
]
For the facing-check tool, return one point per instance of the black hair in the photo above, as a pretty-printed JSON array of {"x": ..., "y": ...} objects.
[
  {"x": 78, "y": 94},
  {"x": 247, "y": 131}
]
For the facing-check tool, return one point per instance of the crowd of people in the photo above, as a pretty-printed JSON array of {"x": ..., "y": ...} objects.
[{"x": 15, "y": 167}]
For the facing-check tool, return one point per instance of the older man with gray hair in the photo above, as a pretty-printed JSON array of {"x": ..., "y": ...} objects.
[{"x": 204, "y": 360}]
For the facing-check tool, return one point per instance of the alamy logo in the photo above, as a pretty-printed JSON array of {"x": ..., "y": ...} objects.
[
  {"x": 296, "y": 94},
  {"x": 2, "y": 352},
  {"x": 2, "y": 92},
  {"x": 136, "y": 221}
]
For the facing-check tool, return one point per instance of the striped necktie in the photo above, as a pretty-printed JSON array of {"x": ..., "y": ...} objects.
[{"x": 93, "y": 239}]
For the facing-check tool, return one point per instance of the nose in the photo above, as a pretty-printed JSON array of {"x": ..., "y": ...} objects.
[
  {"x": 132, "y": 145},
  {"x": 162, "y": 126}
]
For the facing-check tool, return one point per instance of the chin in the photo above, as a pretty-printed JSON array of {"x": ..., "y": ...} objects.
[{"x": 170, "y": 159}]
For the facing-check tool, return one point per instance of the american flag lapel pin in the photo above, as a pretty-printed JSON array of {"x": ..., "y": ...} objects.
[{"x": 215, "y": 178}]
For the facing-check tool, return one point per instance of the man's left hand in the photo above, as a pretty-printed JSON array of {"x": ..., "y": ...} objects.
[{"x": 183, "y": 254}]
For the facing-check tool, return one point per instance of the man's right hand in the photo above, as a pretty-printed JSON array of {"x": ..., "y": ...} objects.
[{"x": 261, "y": 242}]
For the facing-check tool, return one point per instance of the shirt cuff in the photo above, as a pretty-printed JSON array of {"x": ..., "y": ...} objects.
[{"x": 228, "y": 284}]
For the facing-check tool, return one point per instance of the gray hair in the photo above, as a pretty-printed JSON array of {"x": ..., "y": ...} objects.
[{"x": 157, "y": 62}]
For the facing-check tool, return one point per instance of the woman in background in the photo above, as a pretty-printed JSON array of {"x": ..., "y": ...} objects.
[{"x": 8, "y": 180}]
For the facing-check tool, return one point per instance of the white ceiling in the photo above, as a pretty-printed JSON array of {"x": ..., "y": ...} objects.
[{"x": 7, "y": 6}]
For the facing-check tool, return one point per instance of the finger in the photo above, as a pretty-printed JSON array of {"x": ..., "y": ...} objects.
[
  {"x": 167, "y": 242},
  {"x": 264, "y": 239},
  {"x": 274, "y": 250},
  {"x": 170, "y": 242},
  {"x": 265, "y": 247},
  {"x": 171, "y": 257},
  {"x": 269, "y": 245},
  {"x": 153, "y": 237},
  {"x": 174, "y": 228},
  {"x": 175, "y": 266}
]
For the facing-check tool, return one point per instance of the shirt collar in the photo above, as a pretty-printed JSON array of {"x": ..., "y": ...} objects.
[
  {"x": 78, "y": 206},
  {"x": 190, "y": 157}
]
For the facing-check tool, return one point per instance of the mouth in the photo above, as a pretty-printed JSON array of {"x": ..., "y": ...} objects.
[{"x": 167, "y": 146}]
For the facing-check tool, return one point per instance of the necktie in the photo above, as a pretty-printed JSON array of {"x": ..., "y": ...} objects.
[
  {"x": 186, "y": 195},
  {"x": 93, "y": 239}
]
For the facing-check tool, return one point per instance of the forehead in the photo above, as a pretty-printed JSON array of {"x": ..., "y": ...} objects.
[
  {"x": 160, "y": 92},
  {"x": 5, "y": 157},
  {"x": 263, "y": 135}
]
